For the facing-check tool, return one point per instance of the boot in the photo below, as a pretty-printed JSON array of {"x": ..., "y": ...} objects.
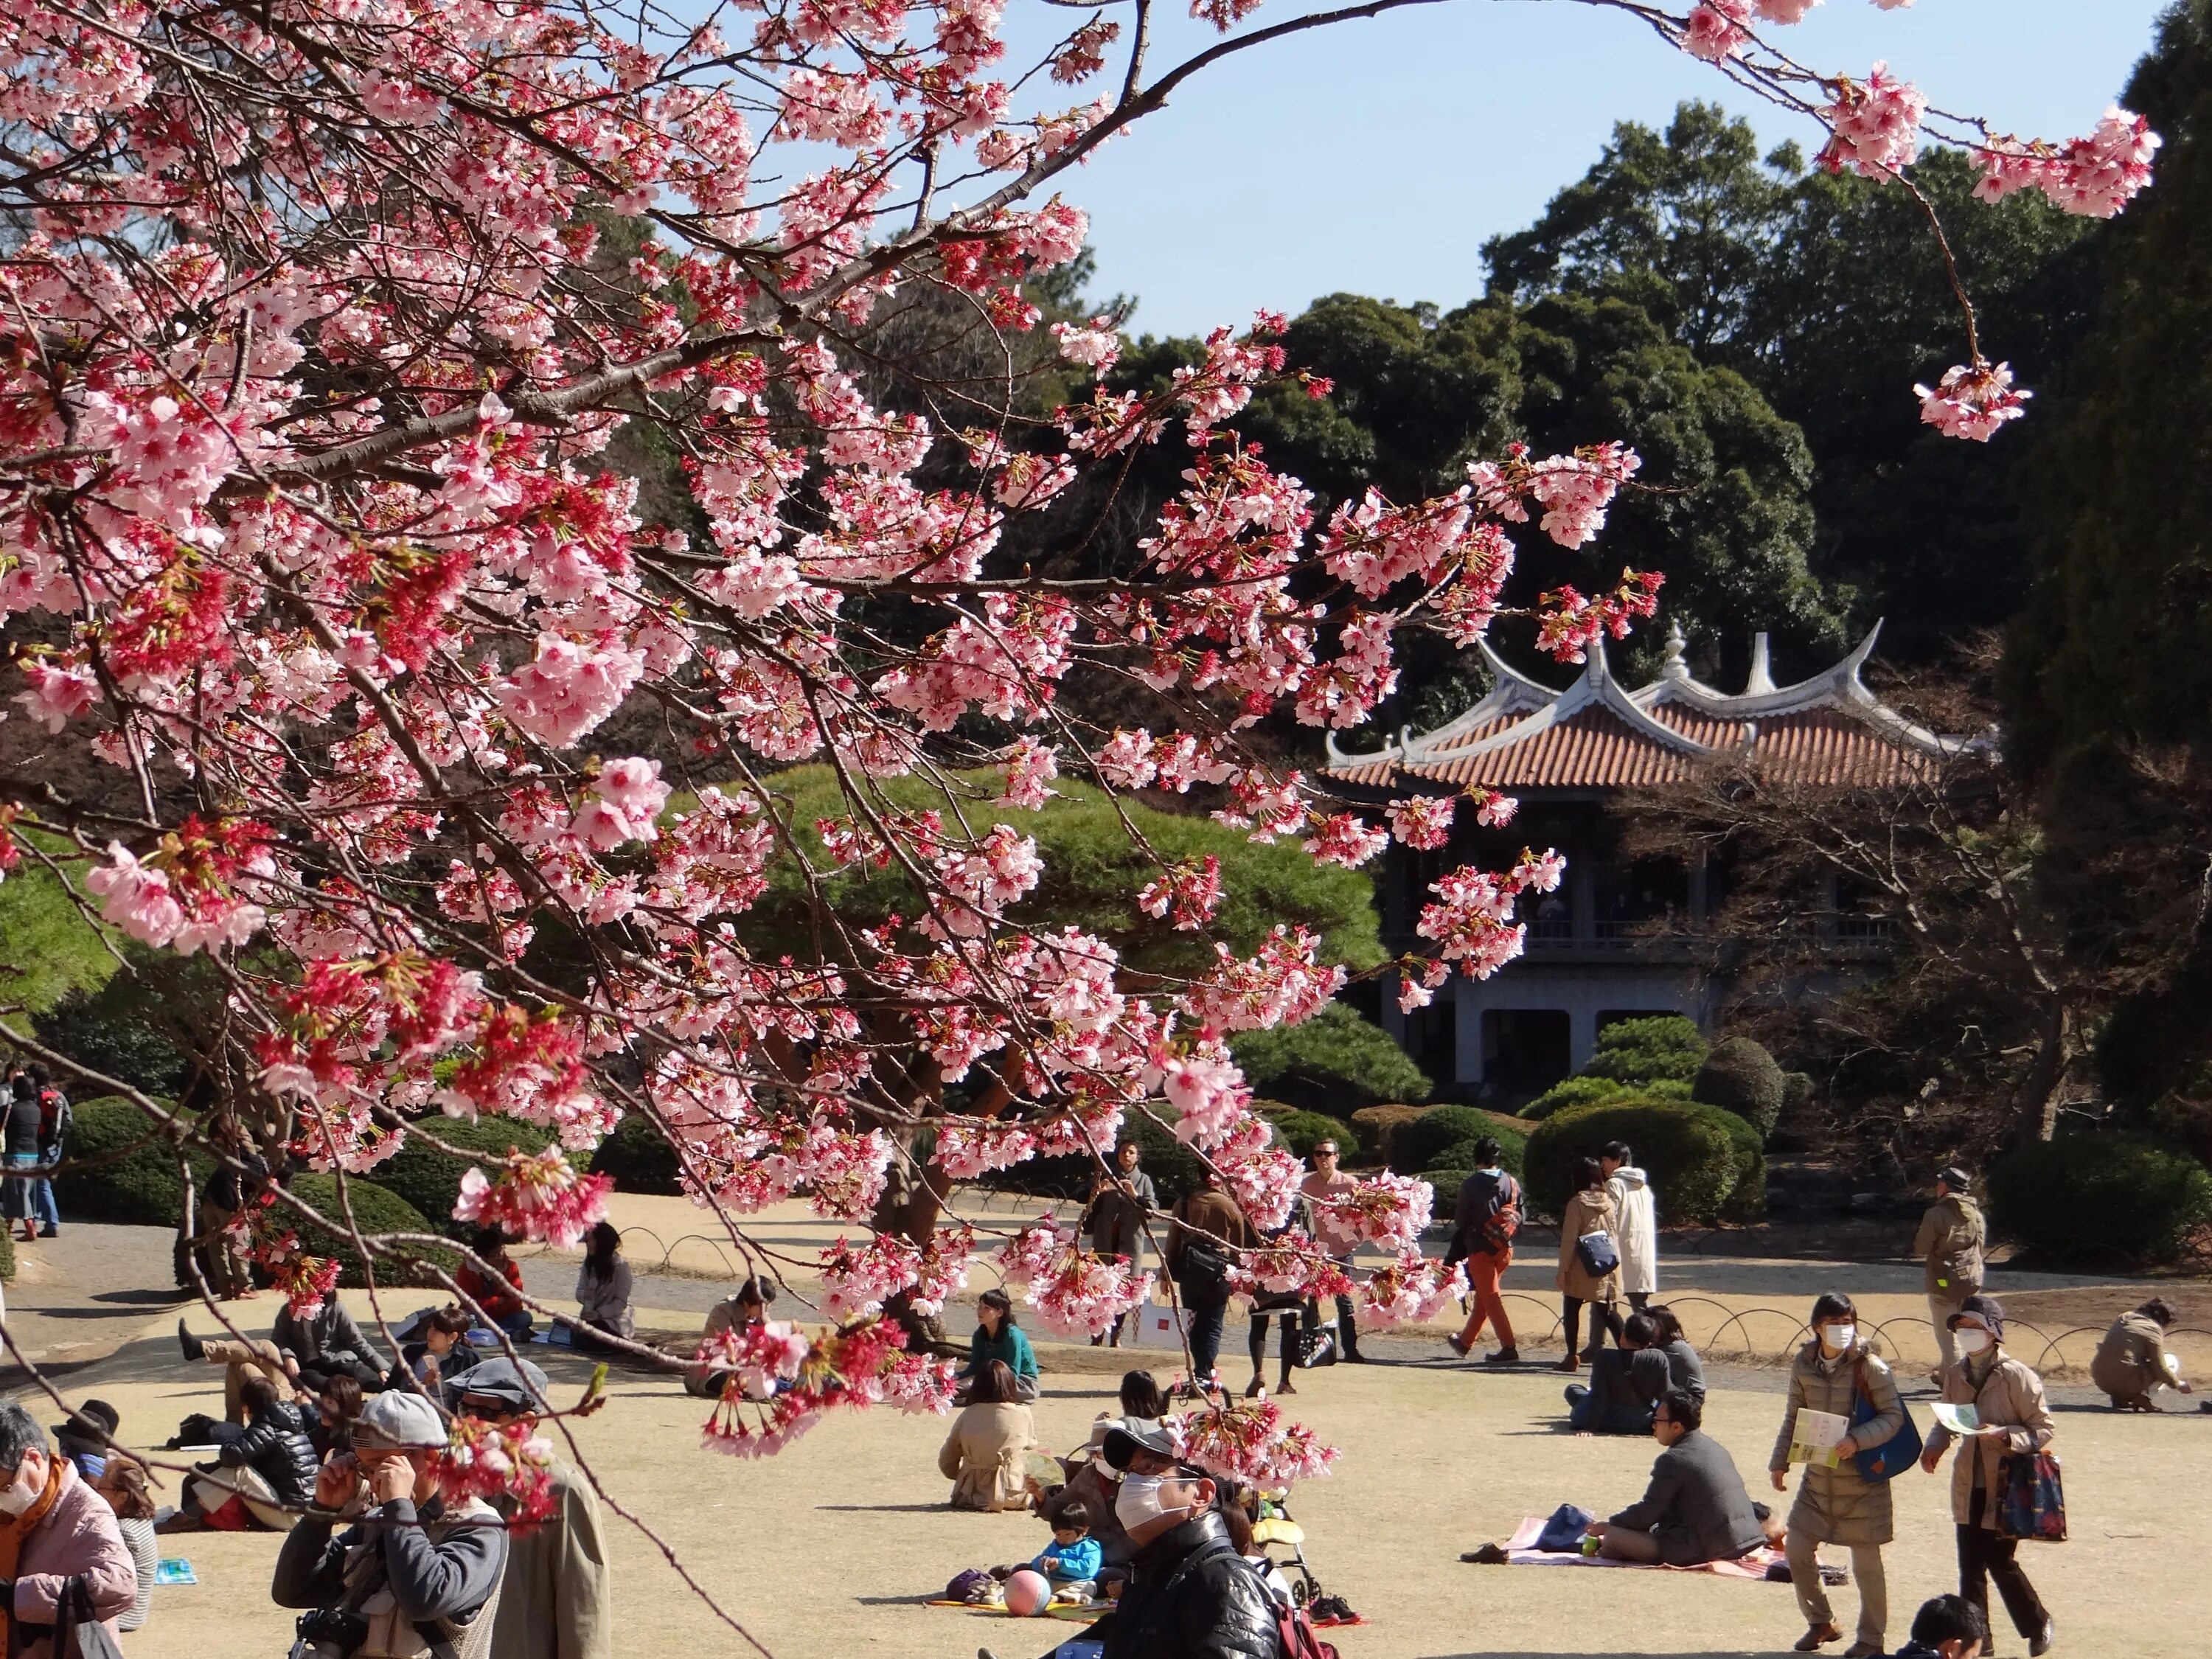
[
  {"x": 1508, "y": 1355},
  {"x": 1348, "y": 1333},
  {"x": 193, "y": 1348}
]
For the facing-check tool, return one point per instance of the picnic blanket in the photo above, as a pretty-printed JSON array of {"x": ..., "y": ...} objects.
[
  {"x": 1521, "y": 1551},
  {"x": 1058, "y": 1610}
]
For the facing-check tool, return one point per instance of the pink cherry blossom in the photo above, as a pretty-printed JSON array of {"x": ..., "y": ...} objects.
[{"x": 1972, "y": 403}]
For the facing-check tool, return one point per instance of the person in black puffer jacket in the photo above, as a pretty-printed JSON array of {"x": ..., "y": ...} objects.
[
  {"x": 1190, "y": 1596},
  {"x": 270, "y": 1468}
]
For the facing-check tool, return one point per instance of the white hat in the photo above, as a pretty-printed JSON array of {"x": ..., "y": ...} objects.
[{"x": 400, "y": 1420}]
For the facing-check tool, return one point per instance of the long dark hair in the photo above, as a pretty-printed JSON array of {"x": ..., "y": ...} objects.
[
  {"x": 994, "y": 1385},
  {"x": 606, "y": 1245},
  {"x": 1669, "y": 1327},
  {"x": 1003, "y": 1302},
  {"x": 1589, "y": 1173},
  {"x": 1142, "y": 1395}
]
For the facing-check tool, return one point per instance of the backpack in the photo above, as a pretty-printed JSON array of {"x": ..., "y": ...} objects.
[
  {"x": 1294, "y": 1634},
  {"x": 1498, "y": 1228}
]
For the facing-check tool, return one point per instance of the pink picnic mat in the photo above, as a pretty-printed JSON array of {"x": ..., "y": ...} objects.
[{"x": 1522, "y": 1552}]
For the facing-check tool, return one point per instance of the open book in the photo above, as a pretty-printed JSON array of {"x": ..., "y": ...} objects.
[{"x": 1814, "y": 1437}]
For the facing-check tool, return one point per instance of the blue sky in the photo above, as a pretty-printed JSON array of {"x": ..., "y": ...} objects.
[{"x": 1375, "y": 157}]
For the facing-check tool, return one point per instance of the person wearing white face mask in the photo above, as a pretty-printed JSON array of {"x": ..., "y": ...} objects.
[
  {"x": 2014, "y": 1417},
  {"x": 53, "y": 1527},
  {"x": 1832, "y": 1373},
  {"x": 1190, "y": 1594}
]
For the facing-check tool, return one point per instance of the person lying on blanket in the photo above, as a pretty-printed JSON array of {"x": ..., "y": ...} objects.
[{"x": 1696, "y": 1508}]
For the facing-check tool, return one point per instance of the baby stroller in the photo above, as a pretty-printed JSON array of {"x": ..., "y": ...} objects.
[{"x": 1274, "y": 1531}]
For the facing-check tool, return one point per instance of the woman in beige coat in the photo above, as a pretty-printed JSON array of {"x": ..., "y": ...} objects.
[
  {"x": 1588, "y": 1211},
  {"x": 2007, "y": 1397},
  {"x": 986, "y": 1457},
  {"x": 1837, "y": 1505}
]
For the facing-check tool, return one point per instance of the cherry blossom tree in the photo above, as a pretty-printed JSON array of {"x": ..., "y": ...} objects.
[{"x": 334, "y": 333}]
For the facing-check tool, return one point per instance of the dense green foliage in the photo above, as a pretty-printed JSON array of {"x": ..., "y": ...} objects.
[
  {"x": 638, "y": 1155},
  {"x": 431, "y": 1179},
  {"x": 1336, "y": 1061},
  {"x": 1705, "y": 1164},
  {"x": 1662, "y": 1047},
  {"x": 1299, "y": 1130},
  {"x": 375, "y": 1210},
  {"x": 1589, "y": 1089},
  {"x": 1740, "y": 1076},
  {"x": 47, "y": 948},
  {"x": 2099, "y": 1195},
  {"x": 1379, "y": 1128},
  {"x": 120, "y": 1166},
  {"x": 1419, "y": 1144},
  {"x": 1174, "y": 1168}
]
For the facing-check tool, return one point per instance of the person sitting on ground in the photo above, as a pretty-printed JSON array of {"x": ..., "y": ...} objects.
[
  {"x": 985, "y": 1455},
  {"x": 58, "y": 1529},
  {"x": 998, "y": 1337},
  {"x": 1625, "y": 1384},
  {"x": 1074, "y": 1557},
  {"x": 270, "y": 1469},
  {"x": 419, "y": 1570},
  {"x": 1948, "y": 1627},
  {"x": 327, "y": 1343},
  {"x": 1089, "y": 1497},
  {"x": 330, "y": 1422},
  {"x": 2132, "y": 1359},
  {"x": 1696, "y": 1508},
  {"x": 1143, "y": 1405},
  {"x": 86, "y": 1437},
  {"x": 1188, "y": 1595},
  {"x": 496, "y": 1296},
  {"x": 739, "y": 1311},
  {"x": 603, "y": 1289},
  {"x": 123, "y": 1484},
  {"x": 1685, "y": 1371},
  {"x": 1236, "y": 1517},
  {"x": 433, "y": 1350},
  {"x": 257, "y": 1357}
]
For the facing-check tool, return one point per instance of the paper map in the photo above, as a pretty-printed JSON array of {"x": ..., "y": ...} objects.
[
  {"x": 1813, "y": 1437},
  {"x": 1961, "y": 1419}
]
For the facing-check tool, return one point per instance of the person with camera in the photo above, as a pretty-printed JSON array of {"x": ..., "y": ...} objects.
[{"x": 413, "y": 1577}]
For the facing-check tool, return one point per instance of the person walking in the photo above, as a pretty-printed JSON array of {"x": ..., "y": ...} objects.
[
  {"x": 1837, "y": 1505},
  {"x": 557, "y": 1596},
  {"x": 1950, "y": 1240},
  {"x": 2132, "y": 1359},
  {"x": 1206, "y": 1230},
  {"x": 53, "y": 1527},
  {"x": 1324, "y": 1189},
  {"x": 1483, "y": 1223},
  {"x": 1630, "y": 1190},
  {"x": 1588, "y": 1212},
  {"x": 55, "y": 1122},
  {"x": 1120, "y": 1204},
  {"x": 2008, "y": 1398},
  {"x": 20, "y": 1148}
]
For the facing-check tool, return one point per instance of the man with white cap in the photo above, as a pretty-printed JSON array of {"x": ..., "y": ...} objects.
[
  {"x": 556, "y": 1599},
  {"x": 413, "y": 1577}
]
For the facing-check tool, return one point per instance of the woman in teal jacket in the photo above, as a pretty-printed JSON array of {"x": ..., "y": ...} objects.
[{"x": 996, "y": 1337}]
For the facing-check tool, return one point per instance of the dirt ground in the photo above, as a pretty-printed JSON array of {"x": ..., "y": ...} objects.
[{"x": 826, "y": 1550}]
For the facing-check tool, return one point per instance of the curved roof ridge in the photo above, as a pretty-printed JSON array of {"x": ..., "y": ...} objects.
[
  {"x": 1510, "y": 689},
  {"x": 1597, "y": 689}
]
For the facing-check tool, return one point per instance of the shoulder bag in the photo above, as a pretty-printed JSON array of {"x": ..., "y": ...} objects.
[
  {"x": 1597, "y": 1254},
  {"x": 1895, "y": 1454}
]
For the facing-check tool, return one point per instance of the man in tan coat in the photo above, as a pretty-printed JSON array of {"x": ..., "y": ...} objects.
[
  {"x": 1950, "y": 1241},
  {"x": 556, "y": 1594}
]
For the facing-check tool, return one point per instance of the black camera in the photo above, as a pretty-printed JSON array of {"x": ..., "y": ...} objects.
[{"x": 328, "y": 1633}]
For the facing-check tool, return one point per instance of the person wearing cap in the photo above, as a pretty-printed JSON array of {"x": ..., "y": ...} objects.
[
  {"x": 1189, "y": 1596},
  {"x": 85, "y": 1438},
  {"x": 413, "y": 1573},
  {"x": 2130, "y": 1361},
  {"x": 557, "y": 1596},
  {"x": 2008, "y": 1399},
  {"x": 1950, "y": 1241}
]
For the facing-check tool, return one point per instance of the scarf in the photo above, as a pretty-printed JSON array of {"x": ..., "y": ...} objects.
[{"x": 14, "y": 1529}]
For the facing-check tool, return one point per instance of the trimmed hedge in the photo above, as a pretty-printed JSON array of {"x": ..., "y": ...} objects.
[
  {"x": 1335, "y": 1059},
  {"x": 1417, "y": 1145},
  {"x": 1299, "y": 1131},
  {"x": 1590, "y": 1091},
  {"x": 1379, "y": 1128},
  {"x": 1640, "y": 1051},
  {"x": 2102, "y": 1192},
  {"x": 431, "y": 1179},
  {"x": 1740, "y": 1076},
  {"x": 638, "y": 1155},
  {"x": 118, "y": 1167},
  {"x": 1512, "y": 1151},
  {"x": 1705, "y": 1164},
  {"x": 376, "y": 1209},
  {"x": 1444, "y": 1187}
]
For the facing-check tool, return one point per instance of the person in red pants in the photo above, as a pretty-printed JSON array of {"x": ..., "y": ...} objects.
[{"x": 1488, "y": 1215}]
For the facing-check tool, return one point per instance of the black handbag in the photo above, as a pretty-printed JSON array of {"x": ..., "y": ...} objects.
[
  {"x": 1316, "y": 1346},
  {"x": 78, "y": 1633}
]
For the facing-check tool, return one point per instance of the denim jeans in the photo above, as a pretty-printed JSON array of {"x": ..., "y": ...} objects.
[
  {"x": 42, "y": 1204},
  {"x": 1585, "y": 1414},
  {"x": 1206, "y": 1340}
]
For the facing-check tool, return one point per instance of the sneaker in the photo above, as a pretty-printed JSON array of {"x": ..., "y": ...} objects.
[{"x": 1503, "y": 1357}]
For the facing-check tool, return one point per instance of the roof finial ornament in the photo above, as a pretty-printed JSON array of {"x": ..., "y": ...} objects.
[
  {"x": 1761, "y": 680},
  {"x": 1677, "y": 666}
]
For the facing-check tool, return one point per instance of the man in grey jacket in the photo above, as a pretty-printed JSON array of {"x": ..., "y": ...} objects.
[
  {"x": 1696, "y": 1508},
  {"x": 413, "y": 1572}
]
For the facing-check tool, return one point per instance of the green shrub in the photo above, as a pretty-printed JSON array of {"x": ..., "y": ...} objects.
[
  {"x": 2101, "y": 1193},
  {"x": 375, "y": 1210},
  {"x": 119, "y": 1166},
  {"x": 638, "y": 1155},
  {"x": 1588, "y": 1091},
  {"x": 1333, "y": 1061},
  {"x": 1418, "y": 1142},
  {"x": 1512, "y": 1151},
  {"x": 1299, "y": 1130},
  {"x": 1740, "y": 1076},
  {"x": 1445, "y": 1184},
  {"x": 1696, "y": 1156},
  {"x": 1797, "y": 1092},
  {"x": 1379, "y": 1128},
  {"x": 1747, "y": 1199},
  {"x": 431, "y": 1179},
  {"x": 1663, "y": 1046}
]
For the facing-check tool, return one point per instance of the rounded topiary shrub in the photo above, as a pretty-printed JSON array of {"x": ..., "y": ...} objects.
[
  {"x": 1512, "y": 1151},
  {"x": 119, "y": 1166},
  {"x": 1445, "y": 1184},
  {"x": 638, "y": 1155},
  {"x": 1379, "y": 1128},
  {"x": 1661, "y": 1047},
  {"x": 1693, "y": 1155},
  {"x": 1747, "y": 1199},
  {"x": 2100, "y": 1195},
  {"x": 1299, "y": 1131},
  {"x": 1740, "y": 1076},
  {"x": 375, "y": 1210},
  {"x": 1335, "y": 1061},
  {"x": 431, "y": 1179},
  {"x": 1417, "y": 1145}
]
